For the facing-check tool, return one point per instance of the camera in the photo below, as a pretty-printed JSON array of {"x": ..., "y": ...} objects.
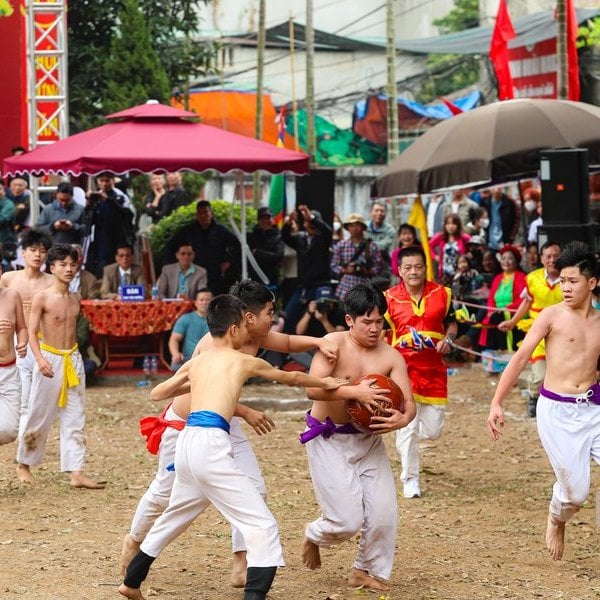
[{"x": 323, "y": 306}]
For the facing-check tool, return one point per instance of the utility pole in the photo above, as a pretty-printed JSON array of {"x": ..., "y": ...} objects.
[
  {"x": 392, "y": 120},
  {"x": 561, "y": 51},
  {"x": 260, "y": 67},
  {"x": 311, "y": 142}
]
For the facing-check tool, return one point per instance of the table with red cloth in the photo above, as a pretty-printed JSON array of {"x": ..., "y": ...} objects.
[{"x": 133, "y": 319}]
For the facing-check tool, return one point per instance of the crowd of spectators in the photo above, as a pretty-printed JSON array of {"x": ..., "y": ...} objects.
[{"x": 309, "y": 263}]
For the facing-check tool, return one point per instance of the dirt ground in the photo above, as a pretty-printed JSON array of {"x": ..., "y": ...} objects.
[{"x": 477, "y": 532}]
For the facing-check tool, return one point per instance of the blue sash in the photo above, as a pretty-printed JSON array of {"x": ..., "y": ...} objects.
[{"x": 207, "y": 418}]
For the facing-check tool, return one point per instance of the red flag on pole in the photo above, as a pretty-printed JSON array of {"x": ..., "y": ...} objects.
[
  {"x": 503, "y": 31},
  {"x": 572, "y": 57}
]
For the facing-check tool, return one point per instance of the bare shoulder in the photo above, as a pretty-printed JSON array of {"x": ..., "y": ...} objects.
[
  {"x": 7, "y": 278},
  {"x": 339, "y": 337}
]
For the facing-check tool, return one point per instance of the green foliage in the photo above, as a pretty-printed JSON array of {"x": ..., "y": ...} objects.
[
  {"x": 134, "y": 71},
  {"x": 92, "y": 27},
  {"x": 168, "y": 227},
  {"x": 589, "y": 34},
  {"x": 193, "y": 183},
  {"x": 451, "y": 72}
]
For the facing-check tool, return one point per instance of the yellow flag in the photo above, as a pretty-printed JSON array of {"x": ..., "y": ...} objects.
[{"x": 418, "y": 220}]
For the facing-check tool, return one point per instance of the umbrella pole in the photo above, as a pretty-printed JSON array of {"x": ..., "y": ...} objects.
[{"x": 239, "y": 193}]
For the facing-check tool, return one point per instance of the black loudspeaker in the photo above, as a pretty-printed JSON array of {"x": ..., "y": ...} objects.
[
  {"x": 317, "y": 191},
  {"x": 565, "y": 183},
  {"x": 565, "y": 233}
]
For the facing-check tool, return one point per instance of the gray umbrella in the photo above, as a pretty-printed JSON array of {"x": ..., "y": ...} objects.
[{"x": 491, "y": 144}]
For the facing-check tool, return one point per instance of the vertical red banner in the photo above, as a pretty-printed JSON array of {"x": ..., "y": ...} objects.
[{"x": 13, "y": 99}]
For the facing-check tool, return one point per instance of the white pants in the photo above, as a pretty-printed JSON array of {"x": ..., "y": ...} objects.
[
  {"x": 570, "y": 434},
  {"x": 354, "y": 486},
  {"x": 427, "y": 425},
  {"x": 10, "y": 403},
  {"x": 43, "y": 409},
  {"x": 156, "y": 499},
  {"x": 26, "y": 366},
  {"x": 215, "y": 480}
]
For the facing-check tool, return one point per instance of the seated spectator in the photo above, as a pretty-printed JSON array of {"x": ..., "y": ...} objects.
[
  {"x": 321, "y": 317},
  {"x": 217, "y": 248},
  {"x": 505, "y": 293},
  {"x": 478, "y": 222},
  {"x": 267, "y": 246},
  {"x": 407, "y": 236},
  {"x": 447, "y": 245},
  {"x": 21, "y": 198},
  {"x": 467, "y": 281},
  {"x": 7, "y": 217},
  {"x": 355, "y": 260},
  {"x": 189, "y": 330},
  {"x": 88, "y": 287},
  {"x": 531, "y": 258},
  {"x": 184, "y": 278},
  {"x": 63, "y": 219},
  {"x": 121, "y": 272}
]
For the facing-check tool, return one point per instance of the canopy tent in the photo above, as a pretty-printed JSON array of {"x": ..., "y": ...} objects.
[
  {"x": 154, "y": 138},
  {"x": 157, "y": 138}
]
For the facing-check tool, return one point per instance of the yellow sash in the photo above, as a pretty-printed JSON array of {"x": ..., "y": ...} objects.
[{"x": 70, "y": 378}]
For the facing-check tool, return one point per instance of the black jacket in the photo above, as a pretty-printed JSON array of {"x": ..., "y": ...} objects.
[
  {"x": 268, "y": 248},
  {"x": 313, "y": 253}
]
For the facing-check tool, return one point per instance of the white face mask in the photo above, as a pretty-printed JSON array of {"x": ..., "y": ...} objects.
[
  {"x": 484, "y": 223},
  {"x": 530, "y": 205},
  {"x": 337, "y": 225}
]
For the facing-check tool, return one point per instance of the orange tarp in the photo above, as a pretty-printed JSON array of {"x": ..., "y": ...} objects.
[{"x": 236, "y": 112}]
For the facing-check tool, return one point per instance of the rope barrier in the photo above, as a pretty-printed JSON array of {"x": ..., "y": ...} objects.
[
  {"x": 483, "y": 306},
  {"x": 475, "y": 353}
]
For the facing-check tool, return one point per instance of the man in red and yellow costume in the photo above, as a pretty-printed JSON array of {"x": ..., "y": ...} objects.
[
  {"x": 542, "y": 290},
  {"x": 422, "y": 325}
]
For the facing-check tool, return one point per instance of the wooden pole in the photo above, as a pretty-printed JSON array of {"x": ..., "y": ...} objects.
[
  {"x": 561, "y": 51},
  {"x": 392, "y": 93},
  {"x": 293, "y": 70},
  {"x": 311, "y": 142},
  {"x": 260, "y": 66}
]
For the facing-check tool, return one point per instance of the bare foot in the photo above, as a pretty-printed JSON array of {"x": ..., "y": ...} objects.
[
  {"x": 24, "y": 474},
  {"x": 358, "y": 578},
  {"x": 131, "y": 593},
  {"x": 79, "y": 480},
  {"x": 311, "y": 556},
  {"x": 238, "y": 571},
  {"x": 555, "y": 537},
  {"x": 129, "y": 550}
]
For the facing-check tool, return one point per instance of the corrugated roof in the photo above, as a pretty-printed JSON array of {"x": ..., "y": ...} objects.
[
  {"x": 530, "y": 29},
  {"x": 279, "y": 36}
]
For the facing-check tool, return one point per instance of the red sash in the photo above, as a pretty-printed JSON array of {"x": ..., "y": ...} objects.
[{"x": 152, "y": 428}]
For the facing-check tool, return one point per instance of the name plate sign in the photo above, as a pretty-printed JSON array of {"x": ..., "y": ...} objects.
[{"x": 132, "y": 293}]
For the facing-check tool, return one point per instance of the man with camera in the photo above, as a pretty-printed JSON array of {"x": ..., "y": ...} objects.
[
  {"x": 357, "y": 259},
  {"x": 109, "y": 223},
  {"x": 63, "y": 219}
]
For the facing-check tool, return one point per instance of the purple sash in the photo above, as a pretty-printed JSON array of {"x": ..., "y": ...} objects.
[
  {"x": 326, "y": 429},
  {"x": 591, "y": 395}
]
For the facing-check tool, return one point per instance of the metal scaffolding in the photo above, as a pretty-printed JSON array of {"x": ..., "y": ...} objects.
[{"x": 47, "y": 80}]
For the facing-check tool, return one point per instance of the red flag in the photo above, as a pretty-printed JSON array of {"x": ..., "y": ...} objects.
[
  {"x": 503, "y": 31},
  {"x": 573, "y": 60},
  {"x": 453, "y": 108}
]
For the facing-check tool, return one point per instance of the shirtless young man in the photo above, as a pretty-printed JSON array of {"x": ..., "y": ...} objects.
[
  {"x": 58, "y": 384},
  {"x": 27, "y": 282},
  {"x": 258, "y": 316},
  {"x": 215, "y": 381},
  {"x": 568, "y": 410},
  {"x": 350, "y": 470},
  {"x": 12, "y": 322}
]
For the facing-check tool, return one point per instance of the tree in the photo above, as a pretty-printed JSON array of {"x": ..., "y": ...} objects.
[
  {"x": 134, "y": 72},
  {"x": 92, "y": 25},
  {"x": 451, "y": 72}
]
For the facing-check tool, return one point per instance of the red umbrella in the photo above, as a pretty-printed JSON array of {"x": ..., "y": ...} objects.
[{"x": 155, "y": 137}]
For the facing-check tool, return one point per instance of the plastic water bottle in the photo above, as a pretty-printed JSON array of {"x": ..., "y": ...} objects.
[
  {"x": 120, "y": 293},
  {"x": 154, "y": 365},
  {"x": 146, "y": 365},
  {"x": 154, "y": 292}
]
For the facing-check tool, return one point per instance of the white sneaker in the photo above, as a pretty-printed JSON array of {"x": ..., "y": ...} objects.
[{"x": 412, "y": 489}]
